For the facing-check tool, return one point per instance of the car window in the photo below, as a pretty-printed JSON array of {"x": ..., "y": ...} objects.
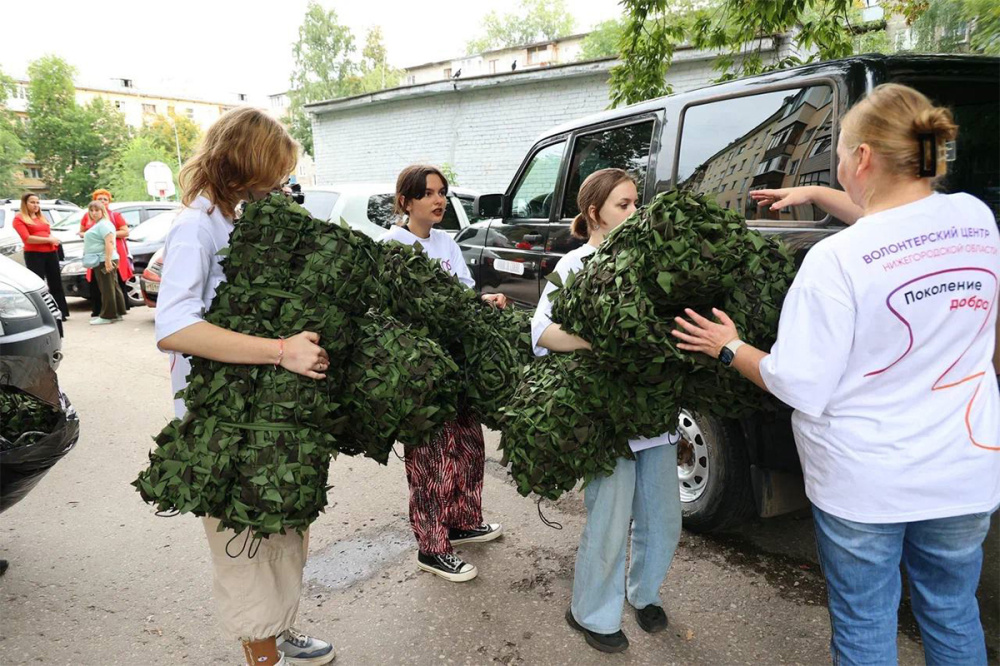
[
  {"x": 471, "y": 236},
  {"x": 381, "y": 209},
  {"x": 976, "y": 107},
  {"x": 450, "y": 221},
  {"x": 153, "y": 229},
  {"x": 133, "y": 216},
  {"x": 777, "y": 139},
  {"x": 66, "y": 218},
  {"x": 469, "y": 204},
  {"x": 621, "y": 148},
  {"x": 532, "y": 198},
  {"x": 2, "y": 220},
  {"x": 320, "y": 204}
]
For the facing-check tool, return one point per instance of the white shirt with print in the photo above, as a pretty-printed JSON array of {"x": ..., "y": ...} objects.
[
  {"x": 885, "y": 349},
  {"x": 571, "y": 262},
  {"x": 441, "y": 246}
]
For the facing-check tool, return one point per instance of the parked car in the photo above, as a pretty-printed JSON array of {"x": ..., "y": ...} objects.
[
  {"x": 55, "y": 211},
  {"x": 773, "y": 130},
  {"x": 144, "y": 239},
  {"x": 149, "y": 281},
  {"x": 368, "y": 207},
  {"x": 30, "y": 322}
]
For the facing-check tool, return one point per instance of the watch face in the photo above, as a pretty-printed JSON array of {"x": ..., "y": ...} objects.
[{"x": 726, "y": 356}]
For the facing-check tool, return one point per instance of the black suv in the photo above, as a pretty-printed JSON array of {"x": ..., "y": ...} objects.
[{"x": 774, "y": 130}]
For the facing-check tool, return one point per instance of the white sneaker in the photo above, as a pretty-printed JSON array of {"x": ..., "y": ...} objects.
[
  {"x": 100, "y": 321},
  {"x": 297, "y": 649}
]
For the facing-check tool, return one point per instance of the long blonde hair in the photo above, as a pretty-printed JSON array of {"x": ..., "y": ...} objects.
[
  {"x": 904, "y": 128},
  {"x": 244, "y": 150}
]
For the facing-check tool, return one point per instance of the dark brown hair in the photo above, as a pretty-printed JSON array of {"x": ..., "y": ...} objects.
[
  {"x": 412, "y": 184},
  {"x": 594, "y": 191},
  {"x": 24, "y": 205}
]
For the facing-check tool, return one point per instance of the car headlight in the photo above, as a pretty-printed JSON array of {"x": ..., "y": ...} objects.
[
  {"x": 14, "y": 304},
  {"x": 73, "y": 267}
]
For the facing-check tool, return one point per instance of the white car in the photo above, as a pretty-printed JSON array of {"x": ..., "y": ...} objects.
[{"x": 368, "y": 207}]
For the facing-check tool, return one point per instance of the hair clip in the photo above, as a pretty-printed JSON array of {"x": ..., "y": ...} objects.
[{"x": 928, "y": 154}]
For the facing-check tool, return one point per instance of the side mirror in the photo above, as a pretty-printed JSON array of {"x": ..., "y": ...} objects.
[{"x": 489, "y": 206}]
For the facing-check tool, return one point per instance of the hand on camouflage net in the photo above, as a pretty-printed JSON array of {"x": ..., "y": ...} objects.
[
  {"x": 498, "y": 300},
  {"x": 703, "y": 335},
  {"x": 304, "y": 356}
]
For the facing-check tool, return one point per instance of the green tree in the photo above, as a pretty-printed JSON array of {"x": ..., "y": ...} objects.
[
  {"x": 821, "y": 29},
  {"x": 72, "y": 144},
  {"x": 11, "y": 148},
  {"x": 604, "y": 41},
  {"x": 161, "y": 132},
  {"x": 125, "y": 176},
  {"x": 534, "y": 21},
  {"x": 323, "y": 68},
  {"x": 374, "y": 69}
]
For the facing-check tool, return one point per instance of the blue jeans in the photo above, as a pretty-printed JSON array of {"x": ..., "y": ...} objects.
[
  {"x": 644, "y": 490},
  {"x": 943, "y": 560}
]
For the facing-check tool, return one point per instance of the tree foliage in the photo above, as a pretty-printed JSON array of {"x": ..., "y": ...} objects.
[
  {"x": 603, "y": 41},
  {"x": 323, "y": 67},
  {"x": 72, "y": 144},
  {"x": 126, "y": 177},
  {"x": 11, "y": 148},
  {"x": 160, "y": 132},
  {"x": 739, "y": 31},
  {"x": 534, "y": 21},
  {"x": 374, "y": 71}
]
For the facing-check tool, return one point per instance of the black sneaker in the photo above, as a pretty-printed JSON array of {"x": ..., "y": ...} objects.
[
  {"x": 480, "y": 534},
  {"x": 448, "y": 566},
  {"x": 616, "y": 642},
  {"x": 651, "y": 618}
]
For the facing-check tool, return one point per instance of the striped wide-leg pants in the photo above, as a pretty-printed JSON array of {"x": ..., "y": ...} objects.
[{"x": 446, "y": 484}]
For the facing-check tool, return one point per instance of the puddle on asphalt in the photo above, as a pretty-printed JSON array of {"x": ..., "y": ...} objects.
[{"x": 344, "y": 563}]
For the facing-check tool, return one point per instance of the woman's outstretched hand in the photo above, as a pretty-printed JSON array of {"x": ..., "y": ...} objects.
[{"x": 703, "y": 335}]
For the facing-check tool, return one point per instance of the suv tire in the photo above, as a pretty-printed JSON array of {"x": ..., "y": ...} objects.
[{"x": 715, "y": 487}]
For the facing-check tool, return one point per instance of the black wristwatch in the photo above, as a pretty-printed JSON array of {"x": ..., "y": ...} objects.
[{"x": 728, "y": 352}]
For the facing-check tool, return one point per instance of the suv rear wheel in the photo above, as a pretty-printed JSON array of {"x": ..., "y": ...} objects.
[{"x": 713, "y": 473}]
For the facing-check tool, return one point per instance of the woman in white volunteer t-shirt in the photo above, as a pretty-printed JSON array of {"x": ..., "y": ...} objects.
[
  {"x": 885, "y": 351},
  {"x": 243, "y": 155},
  {"x": 446, "y": 477},
  {"x": 643, "y": 492}
]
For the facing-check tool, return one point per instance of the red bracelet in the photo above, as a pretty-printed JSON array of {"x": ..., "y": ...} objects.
[{"x": 281, "y": 352}]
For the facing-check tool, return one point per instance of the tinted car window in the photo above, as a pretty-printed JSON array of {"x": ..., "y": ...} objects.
[
  {"x": 320, "y": 204},
  {"x": 622, "y": 148},
  {"x": 778, "y": 139},
  {"x": 469, "y": 204},
  {"x": 532, "y": 198},
  {"x": 976, "y": 107}
]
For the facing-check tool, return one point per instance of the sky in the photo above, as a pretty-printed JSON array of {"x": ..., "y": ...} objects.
[{"x": 230, "y": 46}]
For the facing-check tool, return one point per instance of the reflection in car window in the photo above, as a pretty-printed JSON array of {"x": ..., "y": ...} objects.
[
  {"x": 532, "y": 199},
  {"x": 470, "y": 209},
  {"x": 621, "y": 148},
  {"x": 975, "y": 104},
  {"x": 320, "y": 204},
  {"x": 132, "y": 217},
  {"x": 381, "y": 211},
  {"x": 771, "y": 140}
]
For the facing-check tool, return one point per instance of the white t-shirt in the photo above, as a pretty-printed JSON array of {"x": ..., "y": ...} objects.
[
  {"x": 571, "y": 262},
  {"x": 191, "y": 274},
  {"x": 885, "y": 350},
  {"x": 440, "y": 246}
]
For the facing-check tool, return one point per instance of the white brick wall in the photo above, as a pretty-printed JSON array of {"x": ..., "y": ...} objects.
[{"x": 483, "y": 132}]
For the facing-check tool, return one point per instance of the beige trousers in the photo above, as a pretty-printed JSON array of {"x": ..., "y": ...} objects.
[{"x": 257, "y": 596}]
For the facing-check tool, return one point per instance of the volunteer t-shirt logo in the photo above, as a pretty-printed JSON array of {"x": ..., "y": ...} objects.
[{"x": 446, "y": 264}]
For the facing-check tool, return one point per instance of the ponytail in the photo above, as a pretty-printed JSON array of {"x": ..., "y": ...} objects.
[{"x": 579, "y": 227}]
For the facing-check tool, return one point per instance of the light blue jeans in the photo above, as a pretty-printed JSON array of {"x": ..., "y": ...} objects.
[
  {"x": 943, "y": 560},
  {"x": 645, "y": 491}
]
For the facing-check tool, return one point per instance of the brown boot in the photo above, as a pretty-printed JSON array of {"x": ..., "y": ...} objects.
[{"x": 262, "y": 653}]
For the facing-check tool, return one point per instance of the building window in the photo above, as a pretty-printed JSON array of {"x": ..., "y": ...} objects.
[
  {"x": 33, "y": 172},
  {"x": 821, "y": 146},
  {"x": 815, "y": 178},
  {"x": 411, "y": 80},
  {"x": 447, "y": 72},
  {"x": 732, "y": 168},
  {"x": 119, "y": 105},
  {"x": 493, "y": 66},
  {"x": 21, "y": 92},
  {"x": 537, "y": 55},
  {"x": 149, "y": 108},
  {"x": 794, "y": 167},
  {"x": 189, "y": 112},
  {"x": 241, "y": 96},
  {"x": 126, "y": 83}
]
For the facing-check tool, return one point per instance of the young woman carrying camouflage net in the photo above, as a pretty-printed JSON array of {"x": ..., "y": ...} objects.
[
  {"x": 886, "y": 352},
  {"x": 445, "y": 476},
  {"x": 642, "y": 492},
  {"x": 243, "y": 156}
]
